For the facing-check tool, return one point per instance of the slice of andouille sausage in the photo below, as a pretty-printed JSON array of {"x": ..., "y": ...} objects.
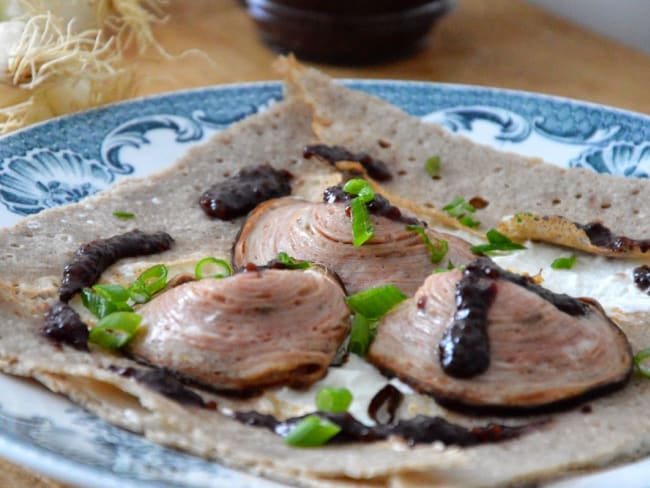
[
  {"x": 322, "y": 233},
  {"x": 248, "y": 331},
  {"x": 488, "y": 340}
]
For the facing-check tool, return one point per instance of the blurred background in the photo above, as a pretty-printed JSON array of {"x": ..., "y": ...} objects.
[
  {"x": 596, "y": 50},
  {"x": 623, "y": 20}
]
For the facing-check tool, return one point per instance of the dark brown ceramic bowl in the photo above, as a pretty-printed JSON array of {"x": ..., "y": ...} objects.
[{"x": 347, "y": 32}]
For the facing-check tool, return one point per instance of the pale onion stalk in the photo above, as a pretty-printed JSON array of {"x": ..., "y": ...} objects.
[
  {"x": 132, "y": 20},
  {"x": 129, "y": 21},
  {"x": 51, "y": 70}
]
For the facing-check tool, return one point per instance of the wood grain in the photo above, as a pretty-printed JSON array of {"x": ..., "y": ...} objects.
[
  {"x": 504, "y": 43},
  {"x": 13, "y": 476}
]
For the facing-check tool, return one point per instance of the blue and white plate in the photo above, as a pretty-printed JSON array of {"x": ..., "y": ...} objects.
[{"x": 69, "y": 158}]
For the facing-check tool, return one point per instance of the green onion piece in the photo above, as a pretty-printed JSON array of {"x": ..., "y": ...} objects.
[
  {"x": 200, "y": 273},
  {"x": 432, "y": 166},
  {"x": 437, "y": 250},
  {"x": 138, "y": 292},
  {"x": 640, "y": 362},
  {"x": 154, "y": 278},
  {"x": 123, "y": 215},
  {"x": 150, "y": 282},
  {"x": 564, "y": 263},
  {"x": 374, "y": 303},
  {"x": 360, "y": 188},
  {"x": 362, "y": 229},
  {"x": 334, "y": 400},
  {"x": 496, "y": 242},
  {"x": 361, "y": 224},
  {"x": 292, "y": 263},
  {"x": 361, "y": 335},
  {"x": 114, "y": 293},
  {"x": 99, "y": 306},
  {"x": 468, "y": 221},
  {"x": 312, "y": 431},
  {"x": 458, "y": 207},
  {"x": 115, "y": 330},
  {"x": 101, "y": 302}
]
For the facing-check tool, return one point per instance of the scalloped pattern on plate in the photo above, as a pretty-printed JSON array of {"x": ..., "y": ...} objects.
[{"x": 67, "y": 159}]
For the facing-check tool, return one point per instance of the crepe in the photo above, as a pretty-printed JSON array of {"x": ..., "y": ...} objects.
[
  {"x": 508, "y": 182},
  {"x": 32, "y": 270},
  {"x": 317, "y": 110}
]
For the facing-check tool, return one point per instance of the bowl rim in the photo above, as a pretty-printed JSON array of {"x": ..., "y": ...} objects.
[{"x": 263, "y": 8}]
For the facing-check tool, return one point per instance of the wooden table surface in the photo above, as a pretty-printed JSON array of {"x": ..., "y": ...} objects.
[{"x": 504, "y": 43}]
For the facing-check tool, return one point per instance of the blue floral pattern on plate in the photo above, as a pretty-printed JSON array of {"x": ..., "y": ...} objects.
[
  {"x": 618, "y": 158},
  {"x": 43, "y": 179},
  {"x": 69, "y": 158},
  {"x": 37, "y": 171}
]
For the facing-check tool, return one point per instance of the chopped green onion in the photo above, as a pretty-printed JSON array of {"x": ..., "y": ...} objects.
[
  {"x": 292, "y": 263},
  {"x": 640, "y": 362},
  {"x": 200, "y": 273},
  {"x": 361, "y": 335},
  {"x": 150, "y": 282},
  {"x": 362, "y": 229},
  {"x": 124, "y": 215},
  {"x": 496, "y": 242},
  {"x": 564, "y": 263},
  {"x": 334, "y": 400},
  {"x": 361, "y": 224},
  {"x": 312, "y": 431},
  {"x": 360, "y": 188},
  {"x": 101, "y": 300},
  {"x": 458, "y": 207},
  {"x": 468, "y": 221},
  {"x": 437, "y": 250},
  {"x": 374, "y": 303},
  {"x": 96, "y": 304},
  {"x": 370, "y": 306},
  {"x": 154, "y": 278},
  {"x": 115, "y": 330},
  {"x": 138, "y": 293},
  {"x": 114, "y": 293},
  {"x": 432, "y": 166}
]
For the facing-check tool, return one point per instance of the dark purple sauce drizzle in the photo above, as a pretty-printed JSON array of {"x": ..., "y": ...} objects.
[
  {"x": 379, "y": 206},
  {"x": 383, "y": 406},
  {"x": 464, "y": 349},
  {"x": 93, "y": 258},
  {"x": 642, "y": 278},
  {"x": 417, "y": 430},
  {"x": 239, "y": 194},
  {"x": 484, "y": 266},
  {"x": 601, "y": 236},
  {"x": 376, "y": 168},
  {"x": 63, "y": 324},
  {"x": 164, "y": 383}
]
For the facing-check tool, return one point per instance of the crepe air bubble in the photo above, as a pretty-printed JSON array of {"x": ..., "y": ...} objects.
[
  {"x": 156, "y": 201},
  {"x": 33, "y": 225}
]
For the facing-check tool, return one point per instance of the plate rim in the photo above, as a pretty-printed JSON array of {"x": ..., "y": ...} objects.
[
  {"x": 345, "y": 81},
  {"x": 58, "y": 466}
]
